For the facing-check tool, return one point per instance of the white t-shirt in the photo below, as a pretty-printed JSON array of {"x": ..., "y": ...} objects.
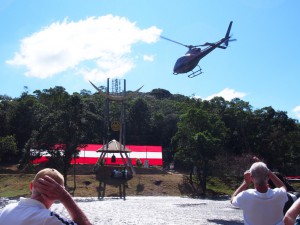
[
  {"x": 30, "y": 211},
  {"x": 262, "y": 208}
]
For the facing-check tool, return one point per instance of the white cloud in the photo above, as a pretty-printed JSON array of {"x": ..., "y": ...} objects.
[
  {"x": 148, "y": 58},
  {"x": 228, "y": 94},
  {"x": 296, "y": 110},
  {"x": 97, "y": 48}
]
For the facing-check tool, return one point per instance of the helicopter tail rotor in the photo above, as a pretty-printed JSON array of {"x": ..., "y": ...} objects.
[
  {"x": 225, "y": 45},
  {"x": 227, "y": 36},
  {"x": 229, "y": 40}
]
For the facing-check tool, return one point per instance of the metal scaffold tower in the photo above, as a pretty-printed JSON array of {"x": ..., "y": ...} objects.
[{"x": 114, "y": 123}]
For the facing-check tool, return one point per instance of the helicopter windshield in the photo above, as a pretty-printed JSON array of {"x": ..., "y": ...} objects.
[{"x": 193, "y": 51}]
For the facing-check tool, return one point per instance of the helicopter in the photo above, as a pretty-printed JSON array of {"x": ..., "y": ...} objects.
[{"x": 190, "y": 60}]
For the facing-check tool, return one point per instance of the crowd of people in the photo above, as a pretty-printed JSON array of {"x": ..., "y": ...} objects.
[
  {"x": 120, "y": 174},
  {"x": 265, "y": 197}
]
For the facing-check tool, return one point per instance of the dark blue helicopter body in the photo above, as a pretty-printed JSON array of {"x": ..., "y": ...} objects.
[{"x": 187, "y": 62}]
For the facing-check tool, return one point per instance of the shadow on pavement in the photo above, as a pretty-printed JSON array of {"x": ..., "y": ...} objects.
[{"x": 226, "y": 222}]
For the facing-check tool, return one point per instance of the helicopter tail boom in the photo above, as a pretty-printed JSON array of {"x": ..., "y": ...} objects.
[{"x": 227, "y": 36}]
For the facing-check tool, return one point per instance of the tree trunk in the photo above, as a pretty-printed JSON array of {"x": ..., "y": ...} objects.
[
  {"x": 191, "y": 179},
  {"x": 204, "y": 176},
  {"x": 74, "y": 175}
]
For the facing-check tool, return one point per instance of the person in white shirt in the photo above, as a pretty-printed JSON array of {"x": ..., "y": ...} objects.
[
  {"x": 261, "y": 205},
  {"x": 47, "y": 187}
]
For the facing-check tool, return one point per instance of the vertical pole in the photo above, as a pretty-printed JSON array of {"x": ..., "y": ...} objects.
[
  {"x": 107, "y": 116},
  {"x": 123, "y": 113}
]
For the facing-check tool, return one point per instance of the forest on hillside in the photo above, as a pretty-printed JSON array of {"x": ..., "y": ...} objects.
[{"x": 214, "y": 136}]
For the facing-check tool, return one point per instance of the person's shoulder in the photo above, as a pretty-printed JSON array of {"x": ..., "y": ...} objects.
[
  {"x": 246, "y": 193},
  {"x": 280, "y": 190},
  {"x": 10, "y": 205},
  {"x": 278, "y": 193},
  {"x": 242, "y": 198},
  {"x": 250, "y": 191}
]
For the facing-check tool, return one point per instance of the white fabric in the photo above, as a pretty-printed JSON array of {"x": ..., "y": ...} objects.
[
  {"x": 294, "y": 197},
  {"x": 262, "y": 208},
  {"x": 30, "y": 212}
]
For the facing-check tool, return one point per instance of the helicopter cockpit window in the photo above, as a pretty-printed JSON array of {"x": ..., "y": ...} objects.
[{"x": 195, "y": 50}]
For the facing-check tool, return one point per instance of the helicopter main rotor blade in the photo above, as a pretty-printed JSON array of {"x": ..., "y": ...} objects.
[
  {"x": 205, "y": 44},
  {"x": 188, "y": 46}
]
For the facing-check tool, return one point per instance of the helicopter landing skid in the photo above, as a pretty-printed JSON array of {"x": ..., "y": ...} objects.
[{"x": 195, "y": 73}]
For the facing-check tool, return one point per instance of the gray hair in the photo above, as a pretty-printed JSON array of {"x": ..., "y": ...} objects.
[{"x": 259, "y": 172}]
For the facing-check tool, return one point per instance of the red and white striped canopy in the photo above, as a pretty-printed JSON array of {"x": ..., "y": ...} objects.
[{"x": 89, "y": 155}]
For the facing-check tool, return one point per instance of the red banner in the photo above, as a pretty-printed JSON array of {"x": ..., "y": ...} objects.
[{"x": 89, "y": 155}]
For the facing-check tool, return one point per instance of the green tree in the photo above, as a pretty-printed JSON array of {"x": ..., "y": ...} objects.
[
  {"x": 139, "y": 122},
  {"x": 62, "y": 128},
  {"x": 92, "y": 118},
  {"x": 7, "y": 112},
  {"x": 273, "y": 136},
  {"x": 25, "y": 119},
  {"x": 237, "y": 117},
  {"x": 8, "y": 147},
  {"x": 160, "y": 93},
  {"x": 200, "y": 137}
]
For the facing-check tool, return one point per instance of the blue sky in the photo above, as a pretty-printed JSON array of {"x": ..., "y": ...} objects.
[{"x": 51, "y": 43}]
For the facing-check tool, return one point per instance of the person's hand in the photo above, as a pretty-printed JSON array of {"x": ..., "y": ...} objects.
[
  {"x": 256, "y": 159},
  {"x": 247, "y": 177},
  {"x": 50, "y": 189}
]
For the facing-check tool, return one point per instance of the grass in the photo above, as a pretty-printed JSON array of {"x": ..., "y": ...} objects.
[
  {"x": 219, "y": 186},
  {"x": 86, "y": 186},
  {"x": 147, "y": 182},
  {"x": 14, "y": 185}
]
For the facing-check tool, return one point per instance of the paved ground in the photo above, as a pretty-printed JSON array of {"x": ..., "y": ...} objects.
[{"x": 157, "y": 210}]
